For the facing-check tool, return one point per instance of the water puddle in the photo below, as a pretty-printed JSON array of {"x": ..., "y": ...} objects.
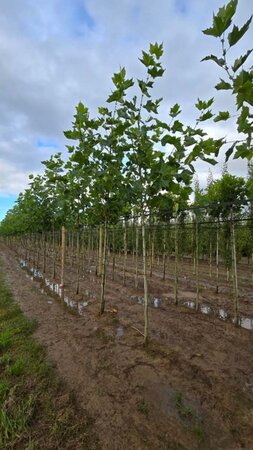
[{"x": 243, "y": 322}]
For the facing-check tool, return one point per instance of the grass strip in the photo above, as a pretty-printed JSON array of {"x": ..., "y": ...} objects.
[{"x": 36, "y": 409}]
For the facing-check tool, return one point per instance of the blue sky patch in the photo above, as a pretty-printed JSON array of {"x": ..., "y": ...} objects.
[
  {"x": 46, "y": 143},
  {"x": 6, "y": 202},
  {"x": 181, "y": 6},
  {"x": 79, "y": 18}
]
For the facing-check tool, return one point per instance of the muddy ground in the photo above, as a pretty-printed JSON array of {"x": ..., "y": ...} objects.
[{"x": 192, "y": 388}]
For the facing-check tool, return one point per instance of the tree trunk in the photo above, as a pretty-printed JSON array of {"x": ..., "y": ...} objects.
[
  {"x": 164, "y": 254},
  {"x": 103, "y": 273},
  {"x": 136, "y": 255},
  {"x": 234, "y": 263},
  {"x": 54, "y": 254},
  {"x": 197, "y": 265},
  {"x": 145, "y": 281},
  {"x": 176, "y": 261},
  {"x": 44, "y": 252},
  {"x": 125, "y": 253},
  {"x": 77, "y": 262},
  {"x": 152, "y": 251},
  {"x": 100, "y": 251},
  {"x": 217, "y": 257},
  {"x": 63, "y": 253},
  {"x": 113, "y": 253}
]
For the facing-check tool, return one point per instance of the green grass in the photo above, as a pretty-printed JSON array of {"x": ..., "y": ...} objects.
[
  {"x": 36, "y": 411},
  {"x": 143, "y": 407}
]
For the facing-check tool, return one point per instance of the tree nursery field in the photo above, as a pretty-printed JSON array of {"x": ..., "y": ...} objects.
[{"x": 139, "y": 280}]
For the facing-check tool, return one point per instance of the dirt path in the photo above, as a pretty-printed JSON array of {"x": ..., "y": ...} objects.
[{"x": 192, "y": 389}]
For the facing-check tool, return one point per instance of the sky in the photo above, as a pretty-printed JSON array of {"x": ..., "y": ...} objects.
[{"x": 55, "y": 53}]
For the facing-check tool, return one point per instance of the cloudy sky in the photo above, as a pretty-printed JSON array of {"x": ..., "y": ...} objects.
[{"x": 55, "y": 53}]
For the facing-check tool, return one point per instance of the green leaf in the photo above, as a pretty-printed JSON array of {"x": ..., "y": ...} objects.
[
  {"x": 243, "y": 88},
  {"x": 72, "y": 134},
  {"x": 202, "y": 105},
  {"x": 223, "y": 115},
  {"x": 103, "y": 111},
  {"x": 70, "y": 148},
  {"x": 175, "y": 110},
  {"x": 209, "y": 160},
  {"x": 242, "y": 121},
  {"x": 229, "y": 152},
  {"x": 223, "y": 85},
  {"x": 147, "y": 59},
  {"x": 81, "y": 109},
  {"x": 222, "y": 20},
  {"x": 152, "y": 106},
  {"x": 207, "y": 115},
  {"x": 143, "y": 87},
  {"x": 119, "y": 77},
  {"x": 168, "y": 139},
  {"x": 177, "y": 126},
  {"x": 242, "y": 151},
  {"x": 219, "y": 61},
  {"x": 156, "y": 71},
  {"x": 240, "y": 61},
  {"x": 128, "y": 83},
  {"x": 156, "y": 49},
  {"x": 189, "y": 140},
  {"x": 115, "y": 96},
  {"x": 236, "y": 34},
  {"x": 212, "y": 31}
]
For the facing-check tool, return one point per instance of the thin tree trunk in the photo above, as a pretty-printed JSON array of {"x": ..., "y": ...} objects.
[
  {"x": 252, "y": 267},
  {"x": 54, "y": 254},
  {"x": 211, "y": 259},
  {"x": 234, "y": 262},
  {"x": 113, "y": 254},
  {"x": 152, "y": 251},
  {"x": 125, "y": 253},
  {"x": 78, "y": 263},
  {"x": 193, "y": 250},
  {"x": 217, "y": 258},
  {"x": 103, "y": 274},
  {"x": 100, "y": 250},
  {"x": 136, "y": 255},
  {"x": 83, "y": 251},
  {"x": 176, "y": 261},
  {"x": 164, "y": 254},
  {"x": 145, "y": 281},
  {"x": 197, "y": 265},
  {"x": 44, "y": 252},
  {"x": 63, "y": 253}
]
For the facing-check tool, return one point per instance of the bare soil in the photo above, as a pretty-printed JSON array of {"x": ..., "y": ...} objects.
[{"x": 192, "y": 388}]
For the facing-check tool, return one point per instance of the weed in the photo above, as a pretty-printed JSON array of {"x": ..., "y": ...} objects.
[
  {"x": 4, "y": 389},
  {"x": 183, "y": 409},
  {"x": 142, "y": 407},
  {"x": 5, "y": 339},
  {"x": 17, "y": 368},
  {"x": 186, "y": 412}
]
